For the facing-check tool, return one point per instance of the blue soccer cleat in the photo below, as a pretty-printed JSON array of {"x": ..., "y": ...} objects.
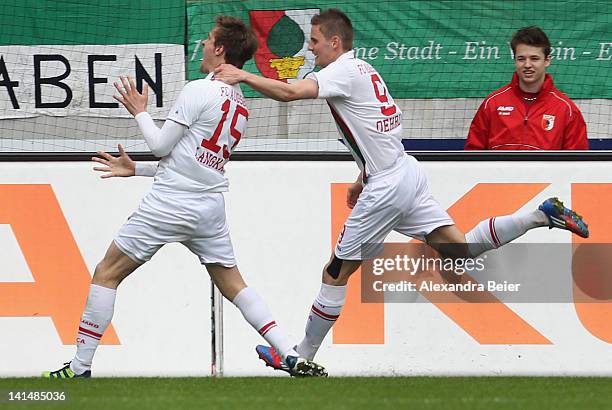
[
  {"x": 65, "y": 373},
  {"x": 563, "y": 218},
  {"x": 271, "y": 358},
  {"x": 295, "y": 366}
]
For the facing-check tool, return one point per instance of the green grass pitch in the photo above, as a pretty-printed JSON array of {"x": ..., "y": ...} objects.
[{"x": 315, "y": 394}]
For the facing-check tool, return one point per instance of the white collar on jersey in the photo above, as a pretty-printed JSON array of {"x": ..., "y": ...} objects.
[
  {"x": 210, "y": 76},
  {"x": 348, "y": 55}
]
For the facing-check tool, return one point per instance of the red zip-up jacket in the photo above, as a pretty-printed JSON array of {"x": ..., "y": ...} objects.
[{"x": 505, "y": 122}]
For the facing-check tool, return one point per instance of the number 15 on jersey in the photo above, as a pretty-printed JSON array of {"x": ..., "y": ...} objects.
[{"x": 224, "y": 138}]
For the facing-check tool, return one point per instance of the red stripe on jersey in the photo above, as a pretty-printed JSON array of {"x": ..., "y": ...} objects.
[{"x": 348, "y": 135}]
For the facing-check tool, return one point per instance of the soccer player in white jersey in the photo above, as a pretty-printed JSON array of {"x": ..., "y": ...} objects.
[
  {"x": 186, "y": 202},
  {"x": 391, "y": 191}
]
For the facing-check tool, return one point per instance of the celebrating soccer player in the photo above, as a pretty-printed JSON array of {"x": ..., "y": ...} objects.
[
  {"x": 186, "y": 201},
  {"x": 391, "y": 192}
]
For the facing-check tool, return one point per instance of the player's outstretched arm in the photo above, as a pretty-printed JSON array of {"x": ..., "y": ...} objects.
[
  {"x": 129, "y": 96},
  {"x": 121, "y": 166},
  {"x": 160, "y": 142},
  {"x": 278, "y": 90}
]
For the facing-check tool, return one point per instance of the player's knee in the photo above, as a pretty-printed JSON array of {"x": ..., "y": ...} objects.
[
  {"x": 228, "y": 280},
  {"x": 103, "y": 275},
  {"x": 334, "y": 267},
  {"x": 107, "y": 274}
]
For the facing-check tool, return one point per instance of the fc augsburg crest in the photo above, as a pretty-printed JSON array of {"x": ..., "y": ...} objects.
[
  {"x": 548, "y": 122},
  {"x": 283, "y": 42}
]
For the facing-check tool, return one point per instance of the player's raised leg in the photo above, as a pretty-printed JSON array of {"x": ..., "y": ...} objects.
[
  {"x": 110, "y": 272},
  {"x": 498, "y": 231},
  {"x": 257, "y": 314}
]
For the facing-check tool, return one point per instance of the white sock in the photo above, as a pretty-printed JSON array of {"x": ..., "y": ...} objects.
[
  {"x": 495, "y": 232},
  {"x": 257, "y": 313},
  {"x": 96, "y": 317},
  {"x": 323, "y": 314}
]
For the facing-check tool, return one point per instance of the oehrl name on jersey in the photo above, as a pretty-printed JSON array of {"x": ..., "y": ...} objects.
[
  {"x": 233, "y": 95},
  {"x": 389, "y": 124}
]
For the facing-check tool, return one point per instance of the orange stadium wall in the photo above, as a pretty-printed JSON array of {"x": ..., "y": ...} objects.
[{"x": 57, "y": 219}]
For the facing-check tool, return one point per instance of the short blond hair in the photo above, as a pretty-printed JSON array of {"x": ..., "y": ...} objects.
[{"x": 333, "y": 22}]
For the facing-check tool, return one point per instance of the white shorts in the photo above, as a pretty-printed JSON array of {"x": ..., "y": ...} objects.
[
  {"x": 395, "y": 199},
  {"x": 197, "y": 220}
]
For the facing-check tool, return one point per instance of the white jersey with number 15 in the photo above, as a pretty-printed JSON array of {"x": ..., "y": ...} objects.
[{"x": 215, "y": 115}]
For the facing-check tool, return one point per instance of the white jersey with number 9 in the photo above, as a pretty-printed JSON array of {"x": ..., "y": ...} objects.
[{"x": 367, "y": 117}]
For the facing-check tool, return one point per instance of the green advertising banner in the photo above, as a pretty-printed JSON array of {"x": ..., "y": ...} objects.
[
  {"x": 38, "y": 22},
  {"x": 428, "y": 49}
]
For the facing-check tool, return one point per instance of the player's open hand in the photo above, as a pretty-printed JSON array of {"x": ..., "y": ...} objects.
[
  {"x": 229, "y": 74},
  {"x": 129, "y": 96},
  {"x": 353, "y": 194},
  {"x": 121, "y": 166}
]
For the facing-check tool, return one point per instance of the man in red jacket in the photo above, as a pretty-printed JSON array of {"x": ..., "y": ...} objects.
[{"x": 529, "y": 113}]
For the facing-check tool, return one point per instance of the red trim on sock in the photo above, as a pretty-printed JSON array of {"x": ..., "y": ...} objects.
[
  {"x": 323, "y": 315},
  {"x": 267, "y": 328},
  {"x": 270, "y": 328},
  {"x": 90, "y": 333},
  {"x": 493, "y": 233}
]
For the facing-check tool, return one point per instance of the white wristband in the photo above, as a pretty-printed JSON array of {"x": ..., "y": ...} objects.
[{"x": 145, "y": 169}]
